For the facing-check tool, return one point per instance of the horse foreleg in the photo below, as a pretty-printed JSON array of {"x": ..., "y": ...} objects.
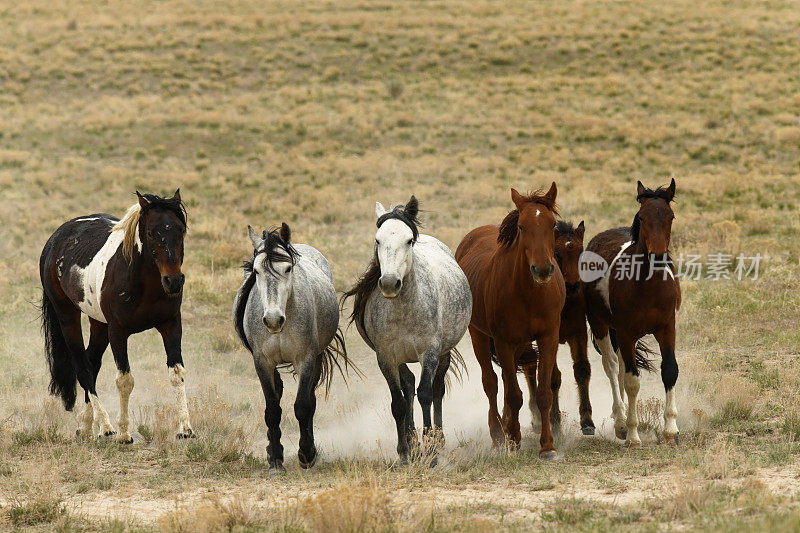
[
  {"x": 507, "y": 355},
  {"x": 631, "y": 381},
  {"x": 272, "y": 386},
  {"x": 669, "y": 376},
  {"x": 124, "y": 381},
  {"x": 304, "y": 407},
  {"x": 582, "y": 371},
  {"x": 392, "y": 376},
  {"x": 548, "y": 348},
  {"x": 407, "y": 383},
  {"x": 171, "y": 333},
  {"x": 480, "y": 345}
]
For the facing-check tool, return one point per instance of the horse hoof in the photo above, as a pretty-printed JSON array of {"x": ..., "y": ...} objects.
[
  {"x": 128, "y": 440},
  {"x": 276, "y": 469},
  {"x": 305, "y": 463},
  {"x": 633, "y": 443},
  {"x": 106, "y": 435},
  {"x": 549, "y": 456},
  {"x": 671, "y": 440},
  {"x": 621, "y": 433},
  {"x": 588, "y": 430},
  {"x": 403, "y": 461},
  {"x": 188, "y": 434}
]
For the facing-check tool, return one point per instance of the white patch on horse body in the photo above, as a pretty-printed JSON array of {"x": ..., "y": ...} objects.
[
  {"x": 177, "y": 375},
  {"x": 611, "y": 367},
  {"x": 86, "y": 421},
  {"x": 602, "y": 285},
  {"x": 124, "y": 386},
  {"x": 93, "y": 275},
  {"x": 101, "y": 422}
]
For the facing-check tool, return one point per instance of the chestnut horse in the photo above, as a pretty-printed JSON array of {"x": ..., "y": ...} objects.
[
  {"x": 518, "y": 293},
  {"x": 568, "y": 249},
  {"x": 637, "y": 296}
]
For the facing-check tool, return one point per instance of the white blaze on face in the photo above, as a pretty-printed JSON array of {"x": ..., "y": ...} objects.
[
  {"x": 394, "y": 246},
  {"x": 93, "y": 275},
  {"x": 274, "y": 287}
]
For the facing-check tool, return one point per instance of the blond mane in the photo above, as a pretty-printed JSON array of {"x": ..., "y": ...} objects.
[{"x": 130, "y": 226}]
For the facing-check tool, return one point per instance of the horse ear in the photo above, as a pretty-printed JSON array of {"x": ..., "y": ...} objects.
[
  {"x": 580, "y": 230},
  {"x": 379, "y": 210},
  {"x": 285, "y": 233},
  {"x": 142, "y": 200},
  {"x": 551, "y": 194},
  {"x": 639, "y": 188},
  {"x": 412, "y": 208},
  {"x": 254, "y": 238},
  {"x": 177, "y": 195},
  {"x": 671, "y": 189},
  {"x": 517, "y": 198}
]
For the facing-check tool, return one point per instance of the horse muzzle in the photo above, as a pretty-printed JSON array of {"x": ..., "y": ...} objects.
[
  {"x": 274, "y": 323},
  {"x": 390, "y": 285},
  {"x": 542, "y": 276},
  {"x": 173, "y": 284}
]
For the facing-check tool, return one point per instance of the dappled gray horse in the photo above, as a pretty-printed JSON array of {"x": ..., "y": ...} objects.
[
  {"x": 413, "y": 304},
  {"x": 291, "y": 319}
]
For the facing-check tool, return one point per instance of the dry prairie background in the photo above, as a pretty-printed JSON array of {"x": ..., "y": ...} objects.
[{"x": 310, "y": 111}]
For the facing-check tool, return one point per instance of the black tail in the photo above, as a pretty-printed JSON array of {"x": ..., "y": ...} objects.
[
  {"x": 331, "y": 357},
  {"x": 643, "y": 355},
  {"x": 63, "y": 381},
  {"x": 528, "y": 357}
]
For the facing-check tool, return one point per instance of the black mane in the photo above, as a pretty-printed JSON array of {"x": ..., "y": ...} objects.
[
  {"x": 565, "y": 227},
  {"x": 661, "y": 192},
  {"x": 277, "y": 250},
  {"x": 406, "y": 214},
  {"x": 174, "y": 205}
]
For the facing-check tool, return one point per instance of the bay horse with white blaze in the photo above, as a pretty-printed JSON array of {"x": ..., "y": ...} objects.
[
  {"x": 518, "y": 293},
  {"x": 572, "y": 331},
  {"x": 286, "y": 314},
  {"x": 125, "y": 275},
  {"x": 632, "y": 301}
]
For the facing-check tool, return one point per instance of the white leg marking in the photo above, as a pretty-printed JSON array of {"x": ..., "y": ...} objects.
[
  {"x": 632, "y": 388},
  {"x": 611, "y": 367},
  {"x": 101, "y": 421},
  {"x": 671, "y": 415},
  {"x": 86, "y": 421},
  {"x": 124, "y": 386},
  {"x": 176, "y": 377}
]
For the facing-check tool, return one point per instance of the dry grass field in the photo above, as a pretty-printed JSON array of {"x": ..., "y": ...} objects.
[{"x": 310, "y": 111}]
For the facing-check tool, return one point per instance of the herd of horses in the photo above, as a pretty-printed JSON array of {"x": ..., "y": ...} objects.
[{"x": 516, "y": 286}]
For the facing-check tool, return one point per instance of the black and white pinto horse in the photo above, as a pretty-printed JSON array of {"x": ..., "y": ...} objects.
[
  {"x": 413, "y": 304},
  {"x": 125, "y": 275},
  {"x": 286, "y": 314}
]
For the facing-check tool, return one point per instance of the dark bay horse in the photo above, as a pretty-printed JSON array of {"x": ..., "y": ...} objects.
[
  {"x": 637, "y": 296},
  {"x": 125, "y": 275},
  {"x": 518, "y": 294},
  {"x": 568, "y": 249}
]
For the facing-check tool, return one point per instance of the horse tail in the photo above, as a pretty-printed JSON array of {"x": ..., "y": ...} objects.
[
  {"x": 333, "y": 357},
  {"x": 457, "y": 367},
  {"x": 642, "y": 356},
  {"x": 529, "y": 356},
  {"x": 63, "y": 381}
]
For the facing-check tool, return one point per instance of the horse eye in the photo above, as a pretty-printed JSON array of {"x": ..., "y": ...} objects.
[
  {"x": 288, "y": 269},
  {"x": 409, "y": 242},
  {"x": 555, "y": 226},
  {"x": 519, "y": 228}
]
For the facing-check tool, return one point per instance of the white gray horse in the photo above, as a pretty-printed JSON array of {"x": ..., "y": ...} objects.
[
  {"x": 291, "y": 319},
  {"x": 413, "y": 304}
]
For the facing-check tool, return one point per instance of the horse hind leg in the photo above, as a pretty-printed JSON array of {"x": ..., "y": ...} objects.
[
  {"x": 611, "y": 368},
  {"x": 430, "y": 365},
  {"x": 583, "y": 372},
  {"x": 399, "y": 406}
]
